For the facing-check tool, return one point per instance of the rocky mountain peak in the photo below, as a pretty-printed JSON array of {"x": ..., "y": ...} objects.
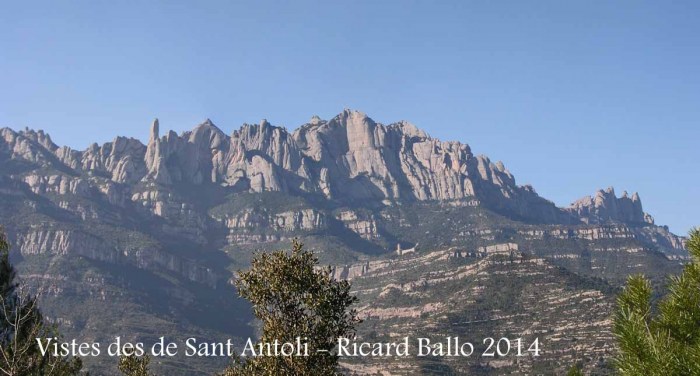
[
  {"x": 359, "y": 129},
  {"x": 40, "y": 137},
  {"x": 607, "y": 207},
  {"x": 410, "y": 130},
  {"x": 635, "y": 197},
  {"x": 206, "y": 132},
  {"x": 315, "y": 120}
]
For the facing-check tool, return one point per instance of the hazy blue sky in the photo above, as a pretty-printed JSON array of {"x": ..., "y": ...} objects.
[{"x": 572, "y": 95}]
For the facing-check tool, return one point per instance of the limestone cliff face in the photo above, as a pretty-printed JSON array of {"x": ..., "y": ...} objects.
[
  {"x": 304, "y": 220},
  {"x": 364, "y": 225},
  {"x": 40, "y": 241}
]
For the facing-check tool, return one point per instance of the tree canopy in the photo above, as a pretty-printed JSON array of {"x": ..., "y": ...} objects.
[
  {"x": 293, "y": 297},
  {"x": 663, "y": 339}
]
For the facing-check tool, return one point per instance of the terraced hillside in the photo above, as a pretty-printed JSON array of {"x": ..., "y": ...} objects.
[{"x": 498, "y": 294}]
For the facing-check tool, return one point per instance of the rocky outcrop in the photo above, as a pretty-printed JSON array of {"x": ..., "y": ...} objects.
[
  {"x": 293, "y": 220},
  {"x": 121, "y": 160},
  {"x": 182, "y": 217},
  {"x": 42, "y": 240},
  {"x": 364, "y": 159},
  {"x": 57, "y": 184},
  {"x": 605, "y": 206},
  {"x": 349, "y": 272},
  {"x": 506, "y": 248},
  {"x": 364, "y": 225},
  {"x": 28, "y": 145},
  {"x": 56, "y": 241}
]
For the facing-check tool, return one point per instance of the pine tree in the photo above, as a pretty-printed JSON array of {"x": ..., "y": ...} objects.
[
  {"x": 8, "y": 287},
  {"x": 21, "y": 323},
  {"x": 134, "y": 365},
  {"x": 575, "y": 370},
  {"x": 293, "y": 298},
  {"x": 665, "y": 341}
]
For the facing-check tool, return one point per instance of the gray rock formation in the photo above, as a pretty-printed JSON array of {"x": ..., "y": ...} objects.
[
  {"x": 606, "y": 207},
  {"x": 349, "y": 158}
]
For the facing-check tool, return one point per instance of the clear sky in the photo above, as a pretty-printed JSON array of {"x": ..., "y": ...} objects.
[{"x": 571, "y": 95}]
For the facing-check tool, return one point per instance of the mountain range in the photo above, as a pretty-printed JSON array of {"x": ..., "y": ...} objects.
[{"x": 142, "y": 240}]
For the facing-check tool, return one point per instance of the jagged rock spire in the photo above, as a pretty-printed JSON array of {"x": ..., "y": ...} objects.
[{"x": 154, "y": 131}]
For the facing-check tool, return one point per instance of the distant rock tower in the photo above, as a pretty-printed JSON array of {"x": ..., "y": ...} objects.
[{"x": 154, "y": 131}]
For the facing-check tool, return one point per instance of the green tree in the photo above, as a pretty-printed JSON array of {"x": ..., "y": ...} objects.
[
  {"x": 575, "y": 370},
  {"x": 292, "y": 297},
  {"x": 21, "y": 323},
  {"x": 665, "y": 341},
  {"x": 8, "y": 287},
  {"x": 134, "y": 365}
]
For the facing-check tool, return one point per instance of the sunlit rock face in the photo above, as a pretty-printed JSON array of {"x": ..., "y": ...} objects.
[{"x": 605, "y": 206}]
